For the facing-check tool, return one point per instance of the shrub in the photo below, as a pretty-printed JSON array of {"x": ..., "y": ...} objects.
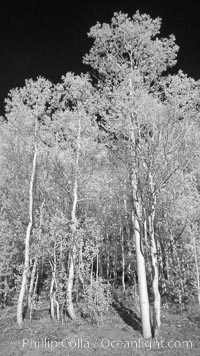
[{"x": 97, "y": 299}]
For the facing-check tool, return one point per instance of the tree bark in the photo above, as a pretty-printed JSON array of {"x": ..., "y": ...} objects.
[
  {"x": 72, "y": 254},
  {"x": 123, "y": 259},
  {"x": 196, "y": 266},
  {"x": 154, "y": 261},
  {"x": 33, "y": 274},
  {"x": 27, "y": 240},
  {"x": 97, "y": 266},
  {"x": 70, "y": 306},
  {"x": 107, "y": 257},
  {"x": 31, "y": 308},
  {"x": 142, "y": 282},
  {"x": 136, "y": 220},
  {"x": 164, "y": 267},
  {"x": 53, "y": 289}
]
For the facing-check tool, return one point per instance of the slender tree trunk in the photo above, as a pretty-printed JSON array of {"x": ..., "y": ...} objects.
[
  {"x": 136, "y": 220},
  {"x": 154, "y": 261},
  {"x": 107, "y": 258},
  {"x": 100, "y": 267},
  {"x": 181, "y": 289},
  {"x": 97, "y": 267},
  {"x": 123, "y": 260},
  {"x": 164, "y": 267},
  {"x": 52, "y": 296},
  {"x": 91, "y": 274},
  {"x": 108, "y": 266},
  {"x": 142, "y": 282},
  {"x": 53, "y": 289},
  {"x": 72, "y": 255},
  {"x": 27, "y": 239},
  {"x": 33, "y": 274},
  {"x": 81, "y": 262},
  {"x": 115, "y": 265},
  {"x": 129, "y": 271},
  {"x": 128, "y": 234},
  {"x": 196, "y": 266},
  {"x": 32, "y": 304},
  {"x": 70, "y": 306}
]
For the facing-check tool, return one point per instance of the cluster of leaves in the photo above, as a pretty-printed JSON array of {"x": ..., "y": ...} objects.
[{"x": 97, "y": 299}]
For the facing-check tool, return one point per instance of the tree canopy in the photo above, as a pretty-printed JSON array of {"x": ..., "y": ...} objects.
[{"x": 99, "y": 180}]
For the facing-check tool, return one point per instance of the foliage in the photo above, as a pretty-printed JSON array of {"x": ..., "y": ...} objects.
[
  {"x": 97, "y": 299},
  {"x": 92, "y": 133}
]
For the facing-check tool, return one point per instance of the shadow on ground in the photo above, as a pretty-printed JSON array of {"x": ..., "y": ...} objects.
[{"x": 127, "y": 315}]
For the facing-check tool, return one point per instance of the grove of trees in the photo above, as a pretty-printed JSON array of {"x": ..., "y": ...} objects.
[{"x": 100, "y": 181}]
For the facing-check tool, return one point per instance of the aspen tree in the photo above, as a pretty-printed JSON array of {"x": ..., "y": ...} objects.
[
  {"x": 28, "y": 235},
  {"x": 130, "y": 58}
]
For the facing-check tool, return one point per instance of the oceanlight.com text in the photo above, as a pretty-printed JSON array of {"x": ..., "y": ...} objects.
[{"x": 105, "y": 343}]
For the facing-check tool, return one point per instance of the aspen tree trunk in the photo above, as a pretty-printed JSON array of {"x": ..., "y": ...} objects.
[
  {"x": 181, "y": 289},
  {"x": 128, "y": 234},
  {"x": 97, "y": 266},
  {"x": 72, "y": 253},
  {"x": 154, "y": 261},
  {"x": 53, "y": 289},
  {"x": 91, "y": 274},
  {"x": 145, "y": 229},
  {"x": 197, "y": 267},
  {"x": 80, "y": 268},
  {"x": 136, "y": 219},
  {"x": 123, "y": 258},
  {"x": 164, "y": 267},
  {"x": 123, "y": 264},
  {"x": 100, "y": 267},
  {"x": 51, "y": 297},
  {"x": 31, "y": 308},
  {"x": 70, "y": 306},
  {"x": 27, "y": 238},
  {"x": 115, "y": 265},
  {"x": 81, "y": 262},
  {"x": 33, "y": 274},
  {"x": 33, "y": 281},
  {"x": 107, "y": 258},
  {"x": 142, "y": 282}
]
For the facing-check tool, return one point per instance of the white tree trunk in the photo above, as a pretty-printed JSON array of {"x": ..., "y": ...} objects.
[
  {"x": 72, "y": 254},
  {"x": 27, "y": 243},
  {"x": 70, "y": 306},
  {"x": 142, "y": 282},
  {"x": 123, "y": 260},
  {"x": 97, "y": 267},
  {"x": 31, "y": 307},
  {"x": 156, "y": 293},
  {"x": 52, "y": 296},
  {"x": 91, "y": 274},
  {"x": 53, "y": 289},
  {"x": 107, "y": 257},
  {"x": 154, "y": 262},
  {"x": 197, "y": 266},
  {"x": 33, "y": 274},
  {"x": 115, "y": 265},
  {"x": 81, "y": 272}
]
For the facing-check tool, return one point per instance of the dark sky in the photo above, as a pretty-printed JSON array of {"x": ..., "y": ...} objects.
[{"x": 49, "y": 38}]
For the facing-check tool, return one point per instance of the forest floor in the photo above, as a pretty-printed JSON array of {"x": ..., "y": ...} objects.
[{"x": 118, "y": 334}]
